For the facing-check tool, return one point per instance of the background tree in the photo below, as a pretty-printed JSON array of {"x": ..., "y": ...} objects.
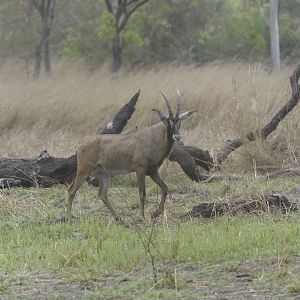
[
  {"x": 170, "y": 31},
  {"x": 274, "y": 34},
  {"x": 121, "y": 10},
  {"x": 16, "y": 38},
  {"x": 45, "y": 9}
]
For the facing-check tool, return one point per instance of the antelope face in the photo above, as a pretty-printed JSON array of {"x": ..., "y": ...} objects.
[{"x": 174, "y": 125}]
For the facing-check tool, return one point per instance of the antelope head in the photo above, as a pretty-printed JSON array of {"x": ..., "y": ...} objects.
[{"x": 173, "y": 122}]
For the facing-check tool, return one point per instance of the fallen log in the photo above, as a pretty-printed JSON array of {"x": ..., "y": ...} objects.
[
  {"x": 267, "y": 204},
  {"x": 43, "y": 171},
  {"x": 195, "y": 162},
  {"x": 188, "y": 164},
  {"x": 47, "y": 170}
]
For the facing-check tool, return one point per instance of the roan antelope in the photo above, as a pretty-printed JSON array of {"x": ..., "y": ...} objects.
[{"x": 141, "y": 151}]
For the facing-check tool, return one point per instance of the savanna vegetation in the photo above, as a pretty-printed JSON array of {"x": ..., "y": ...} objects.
[
  {"x": 93, "y": 256},
  {"x": 217, "y": 53},
  {"x": 181, "y": 32}
]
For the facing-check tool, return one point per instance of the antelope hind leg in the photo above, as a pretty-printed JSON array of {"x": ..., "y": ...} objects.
[{"x": 73, "y": 188}]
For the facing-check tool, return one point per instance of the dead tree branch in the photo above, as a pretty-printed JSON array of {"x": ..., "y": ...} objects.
[
  {"x": 231, "y": 145},
  {"x": 196, "y": 163}
]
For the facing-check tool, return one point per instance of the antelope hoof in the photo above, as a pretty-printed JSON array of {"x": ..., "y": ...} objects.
[
  {"x": 67, "y": 218},
  {"x": 155, "y": 214},
  {"x": 117, "y": 218},
  {"x": 140, "y": 219}
]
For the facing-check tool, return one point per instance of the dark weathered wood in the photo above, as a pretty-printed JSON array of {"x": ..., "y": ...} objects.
[
  {"x": 194, "y": 162},
  {"x": 47, "y": 170},
  {"x": 53, "y": 170},
  {"x": 43, "y": 171},
  {"x": 269, "y": 203},
  {"x": 272, "y": 125},
  {"x": 201, "y": 157},
  {"x": 231, "y": 145},
  {"x": 188, "y": 164},
  {"x": 121, "y": 118}
]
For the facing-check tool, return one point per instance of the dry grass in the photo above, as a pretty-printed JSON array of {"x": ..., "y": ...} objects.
[
  {"x": 95, "y": 257},
  {"x": 56, "y": 114}
]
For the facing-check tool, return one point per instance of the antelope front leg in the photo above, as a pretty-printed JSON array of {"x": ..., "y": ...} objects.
[
  {"x": 156, "y": 178},
  {"x": 140, "y": 174}
]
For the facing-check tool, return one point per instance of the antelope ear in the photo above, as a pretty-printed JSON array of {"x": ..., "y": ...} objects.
[
  {"x": 186, "y": 114},
  {"x": 161, "y": 115}
]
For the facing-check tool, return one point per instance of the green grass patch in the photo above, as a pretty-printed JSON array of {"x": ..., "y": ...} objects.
[
  {"x": 110, "y": 259},
  {"x": 107, "y": 246}
]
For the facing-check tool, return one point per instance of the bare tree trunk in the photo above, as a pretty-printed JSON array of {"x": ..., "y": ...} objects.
[
  {"x": 2, "y": 38},
  {"x": 274, "y": 32},
  {"x": 37, "y": 60},
  {"x": 46, "y": 53},
  {"x": 121, "y": 10},
  {"x": 117, "y": 51},
  {"x": 46, "y": 11}
]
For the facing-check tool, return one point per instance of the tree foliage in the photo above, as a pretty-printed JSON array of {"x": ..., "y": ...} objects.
[{"x": 192, "y": 32}]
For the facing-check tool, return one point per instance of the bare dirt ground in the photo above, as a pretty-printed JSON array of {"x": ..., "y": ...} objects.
[{"x": 239, "y": 281}]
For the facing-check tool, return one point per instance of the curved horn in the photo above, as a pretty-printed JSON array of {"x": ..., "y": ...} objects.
[
  {"x": 160, "y": 114},
  {"x": 167, "y": 102},
  {"x": 178, "y": 105}
]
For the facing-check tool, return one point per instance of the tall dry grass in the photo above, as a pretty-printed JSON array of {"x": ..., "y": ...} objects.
[{"x": 231, "y": 99}]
